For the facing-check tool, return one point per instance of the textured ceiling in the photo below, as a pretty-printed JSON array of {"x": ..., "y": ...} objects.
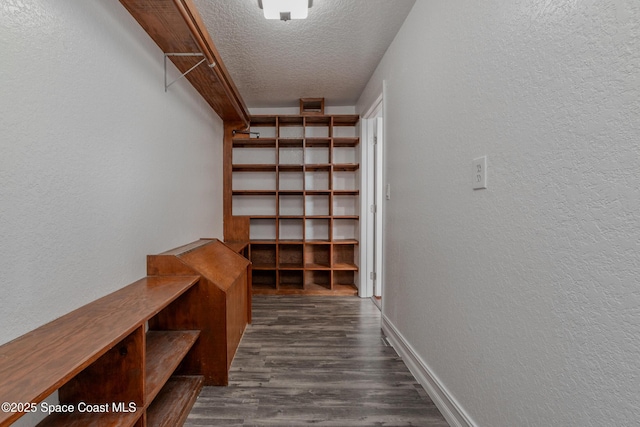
[{"x": 330, "y": 54}]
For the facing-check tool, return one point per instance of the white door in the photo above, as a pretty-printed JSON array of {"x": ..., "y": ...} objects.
[
  {"x": 377, "y": 203},
  {"x": 371, "y": 254},
  {"x": 377, "y": 210}
]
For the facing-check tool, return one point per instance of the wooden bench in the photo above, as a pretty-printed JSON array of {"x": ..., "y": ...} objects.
[
  {"x": 136, "y": 357},
  {"x": 101, "y": 353}
]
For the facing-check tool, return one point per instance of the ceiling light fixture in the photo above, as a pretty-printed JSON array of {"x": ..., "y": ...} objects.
[{"x": 285, "y": 9}]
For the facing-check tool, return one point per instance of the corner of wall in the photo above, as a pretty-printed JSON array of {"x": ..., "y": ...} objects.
[{"x": 446, "y": 403}]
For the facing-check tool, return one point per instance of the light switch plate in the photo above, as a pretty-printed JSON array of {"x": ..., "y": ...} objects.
[{"x": 480, "y": 173}]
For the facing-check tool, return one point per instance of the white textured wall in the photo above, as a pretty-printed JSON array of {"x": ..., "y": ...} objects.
[
  {"x": 523, "y": 299},
  {"x": 98, "y": 165}
]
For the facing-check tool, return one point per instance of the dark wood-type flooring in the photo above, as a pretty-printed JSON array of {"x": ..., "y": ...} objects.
[{"x": 314, "y": 360}]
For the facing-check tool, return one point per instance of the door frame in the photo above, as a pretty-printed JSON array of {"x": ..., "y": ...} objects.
[{"x": 372, "y": 124}]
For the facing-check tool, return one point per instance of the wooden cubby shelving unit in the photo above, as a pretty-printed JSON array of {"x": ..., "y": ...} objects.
[{"x": 298, "y": 186}]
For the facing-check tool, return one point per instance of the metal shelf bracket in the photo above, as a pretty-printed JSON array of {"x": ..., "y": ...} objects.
[{"x": 166, "y": 85}]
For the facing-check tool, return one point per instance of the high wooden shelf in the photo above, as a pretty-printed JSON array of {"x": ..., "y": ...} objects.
[
  {"x": 138, "y": 356},
  {"x": 176, "y": 27},
  {"x": 297, "y": 187}
]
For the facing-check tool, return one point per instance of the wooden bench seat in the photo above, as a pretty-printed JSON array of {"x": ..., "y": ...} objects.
[
  {"x": 102, "y": 353},
  {"x": 141, "y": 354}
]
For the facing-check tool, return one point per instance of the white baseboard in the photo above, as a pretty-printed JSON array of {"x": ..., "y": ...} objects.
[{"x": 448, "y": 406}]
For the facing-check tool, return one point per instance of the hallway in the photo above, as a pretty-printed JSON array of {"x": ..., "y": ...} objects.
[{"x": 321, "y": 361}]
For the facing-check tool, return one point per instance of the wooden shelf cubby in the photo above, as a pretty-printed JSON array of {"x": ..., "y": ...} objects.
[{"x": 299, "y": 190}]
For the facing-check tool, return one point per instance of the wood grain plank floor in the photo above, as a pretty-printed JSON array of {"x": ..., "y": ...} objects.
[{"x": 314, "y": 360}]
